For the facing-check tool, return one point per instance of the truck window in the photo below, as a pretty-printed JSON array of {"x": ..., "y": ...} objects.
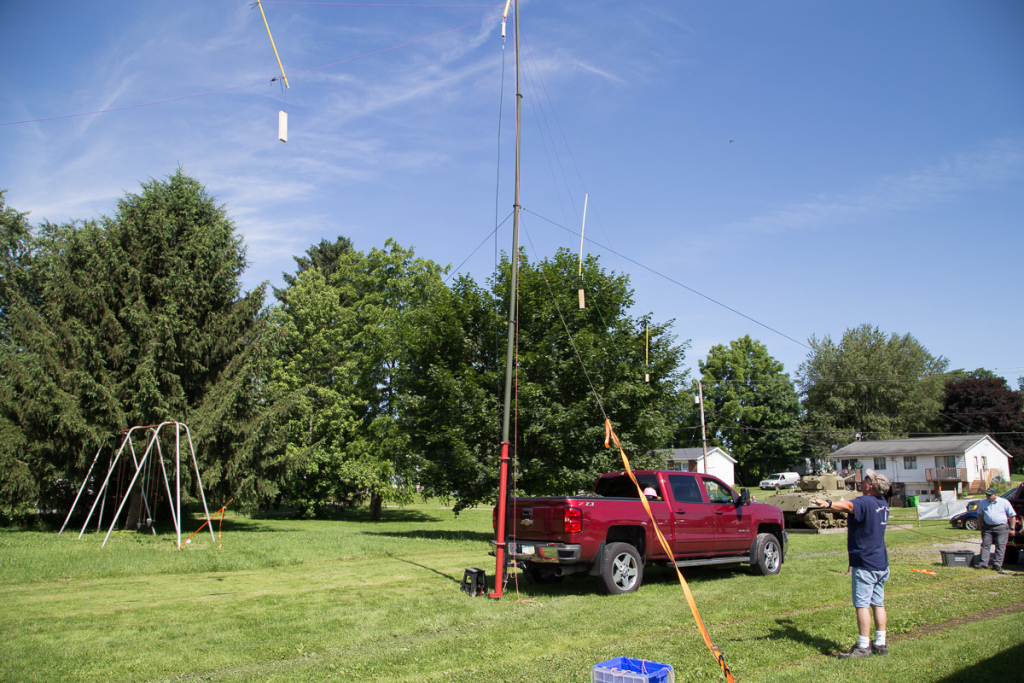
[
  {"x": 685, "y": 489},
  {"x": 716, "y": 492},
  {"x": 623, "y": 487}
]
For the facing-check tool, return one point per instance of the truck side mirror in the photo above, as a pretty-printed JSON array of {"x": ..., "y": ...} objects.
[{"x": 744, "y": 498}]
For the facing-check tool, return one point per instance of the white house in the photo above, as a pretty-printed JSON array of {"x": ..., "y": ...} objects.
[
  {"x": 930, "y": 464},
  {"x": 719, "y": 463}
]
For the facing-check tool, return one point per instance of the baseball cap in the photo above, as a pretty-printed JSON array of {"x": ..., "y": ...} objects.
[
  {"x": 991, "y": 491},
  {"x": 880, "y": 481}
]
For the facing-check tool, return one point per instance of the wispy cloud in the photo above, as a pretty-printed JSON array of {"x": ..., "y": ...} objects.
[{"x": 998, "y": 162}]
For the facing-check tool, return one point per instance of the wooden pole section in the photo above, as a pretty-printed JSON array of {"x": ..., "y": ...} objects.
[
  {"x": 647, "y": 353},
  {"x": 582, "y": 296}
]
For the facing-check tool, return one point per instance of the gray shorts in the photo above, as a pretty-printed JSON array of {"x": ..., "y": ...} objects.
[{"x": 869, "y": 587}]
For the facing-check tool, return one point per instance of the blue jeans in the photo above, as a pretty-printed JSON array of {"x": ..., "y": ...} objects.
[
  {"x": 993, "y": 534},
  {"x": 869, "y": 587}
]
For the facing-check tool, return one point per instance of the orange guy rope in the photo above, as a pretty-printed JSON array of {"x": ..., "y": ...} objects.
[
  {"x": 218, "y": 512},
  {"x": 715, "y": 652},
  {"x": 260, "y": 5}
]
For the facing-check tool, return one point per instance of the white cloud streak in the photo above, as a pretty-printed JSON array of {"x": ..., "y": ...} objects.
[{"x": 999, "y": 162}]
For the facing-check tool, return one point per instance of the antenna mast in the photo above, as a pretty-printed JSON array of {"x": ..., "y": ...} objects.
[{"x": 499, "y": 541}]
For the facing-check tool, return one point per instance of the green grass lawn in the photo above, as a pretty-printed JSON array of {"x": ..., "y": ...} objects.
[{"x": 351, "y": 600}]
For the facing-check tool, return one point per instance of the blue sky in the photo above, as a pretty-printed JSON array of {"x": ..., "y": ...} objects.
[{"x": 812, "y": 165}]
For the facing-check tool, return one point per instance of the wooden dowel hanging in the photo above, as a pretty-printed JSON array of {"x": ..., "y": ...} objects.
[
  {"x": 647, "y": 354},
  {"x": 583, "y": 302}
]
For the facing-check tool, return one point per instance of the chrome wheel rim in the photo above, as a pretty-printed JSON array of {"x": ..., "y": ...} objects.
[
  {"x": 624, "y": 571},
  {"x": 772, "y": 558}
]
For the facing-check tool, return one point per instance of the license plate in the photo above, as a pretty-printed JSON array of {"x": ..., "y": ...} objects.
[{"x": 526, "y": 549}]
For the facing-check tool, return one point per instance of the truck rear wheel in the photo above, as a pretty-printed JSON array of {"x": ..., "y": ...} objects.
[
  {"x": 622, "y": 570},
  {"x": 767, "y": 558}
]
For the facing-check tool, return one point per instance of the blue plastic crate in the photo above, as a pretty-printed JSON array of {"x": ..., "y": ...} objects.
[{"x": 629, "y": 670}]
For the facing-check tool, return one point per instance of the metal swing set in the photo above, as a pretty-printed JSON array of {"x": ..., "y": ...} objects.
[{"x": 146, "y": 468}]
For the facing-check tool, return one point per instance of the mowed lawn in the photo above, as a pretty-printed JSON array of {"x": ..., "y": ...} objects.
[{"x": 351, "y": 600}]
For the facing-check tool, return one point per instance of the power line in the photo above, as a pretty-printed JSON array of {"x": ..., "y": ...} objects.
[{"x": 676, "y": 282}]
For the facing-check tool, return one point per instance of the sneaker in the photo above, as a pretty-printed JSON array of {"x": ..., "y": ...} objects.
[
  {"x": 880, "y": 650},
  {"x": 855, "y": 652}
]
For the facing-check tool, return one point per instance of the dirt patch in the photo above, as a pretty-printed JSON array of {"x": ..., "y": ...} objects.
[{"x": 961, "y": 621}]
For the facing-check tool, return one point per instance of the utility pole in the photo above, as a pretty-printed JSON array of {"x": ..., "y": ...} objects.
[{"x": 703, "y": 431}]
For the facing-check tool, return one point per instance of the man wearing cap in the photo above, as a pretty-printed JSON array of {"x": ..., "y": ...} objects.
[
  {"x": 996, "y": 517},
  {"x": 867, "y": 517}
]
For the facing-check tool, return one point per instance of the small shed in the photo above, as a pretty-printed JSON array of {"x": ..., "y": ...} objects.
[{"x": 719, "y": 463}]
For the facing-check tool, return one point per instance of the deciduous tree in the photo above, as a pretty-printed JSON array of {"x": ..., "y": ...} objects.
[
  {"x": 876, "y": 385},
  {"x": 571, "y": 363},
  {"x": 985, "y": 404},
  {"x": 751, "y": 407},
  {"x": 343, "y": 342}
]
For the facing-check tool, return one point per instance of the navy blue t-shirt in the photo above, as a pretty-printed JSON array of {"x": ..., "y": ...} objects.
[{"x": 865, "y": 538}]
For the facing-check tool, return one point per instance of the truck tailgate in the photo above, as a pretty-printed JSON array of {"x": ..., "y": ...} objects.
[{"x": 538, "y": 518}]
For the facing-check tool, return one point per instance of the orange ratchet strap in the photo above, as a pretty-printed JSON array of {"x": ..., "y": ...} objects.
[{"x": 609, "y": 434}]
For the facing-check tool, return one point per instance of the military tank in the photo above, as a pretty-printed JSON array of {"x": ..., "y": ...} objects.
[{"x": 797, "y": 510}]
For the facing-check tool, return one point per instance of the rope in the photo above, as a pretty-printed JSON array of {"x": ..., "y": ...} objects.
[
  {"x": 218, "y": 512},
  {"x": 715, "y": 652}
]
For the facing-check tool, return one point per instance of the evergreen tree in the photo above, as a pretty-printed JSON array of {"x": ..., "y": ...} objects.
[
  {"x": 139, "y": 319},
  {"x": 326, "y": 257}
]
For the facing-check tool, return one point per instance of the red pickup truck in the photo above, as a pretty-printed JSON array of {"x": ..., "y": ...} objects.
[
  {"x": 1016, "y": 538},
  {"x": 608, "y": 533}
]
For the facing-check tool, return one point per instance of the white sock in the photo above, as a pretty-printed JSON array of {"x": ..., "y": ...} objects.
[
  {"x": 879, "y": 637},
  {"x": 863, "y": 642}
]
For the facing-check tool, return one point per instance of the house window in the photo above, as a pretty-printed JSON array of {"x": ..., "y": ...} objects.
[
  {"x": 945, "y": 461},
  {"x": 879, "y": 463},
  {"x": 910, "y": 462}
]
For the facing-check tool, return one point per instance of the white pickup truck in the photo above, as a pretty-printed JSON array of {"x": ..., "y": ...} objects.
[{"x": 780, "y": 480}]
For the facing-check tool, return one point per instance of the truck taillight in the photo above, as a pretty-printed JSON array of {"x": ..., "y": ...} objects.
[{"x": 572, "y": 521}]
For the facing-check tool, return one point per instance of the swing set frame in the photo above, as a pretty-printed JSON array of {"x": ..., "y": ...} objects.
[{"x": 145, "y": 467}]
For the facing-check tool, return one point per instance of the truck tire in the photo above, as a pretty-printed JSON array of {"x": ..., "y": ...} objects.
[
  {"x": 622, "y": 569},
  {"x": 1012, "y": 555},
  {"x": 767, "y": 558}
]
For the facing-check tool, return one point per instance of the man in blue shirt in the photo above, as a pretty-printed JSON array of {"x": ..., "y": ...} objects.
[
  {"x": 996, "y": 517},
  {"x": 867, "y": 517}
]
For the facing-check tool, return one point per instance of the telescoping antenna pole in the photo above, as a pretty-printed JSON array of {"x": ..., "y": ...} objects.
[{"x": 499, "y": 541}]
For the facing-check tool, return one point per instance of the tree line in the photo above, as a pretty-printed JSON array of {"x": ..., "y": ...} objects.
[{"x": 368, "y": 379}]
